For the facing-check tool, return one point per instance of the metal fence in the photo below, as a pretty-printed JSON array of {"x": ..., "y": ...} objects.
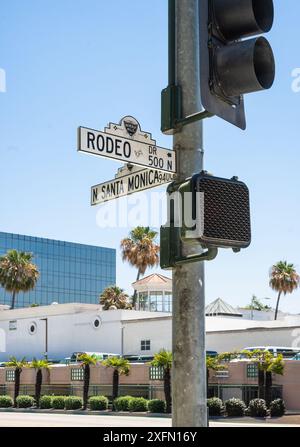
[{"x": 243, "y": 392}]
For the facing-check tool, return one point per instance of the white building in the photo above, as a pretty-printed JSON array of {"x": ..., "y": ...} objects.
[{"x": 61, "y": 329}]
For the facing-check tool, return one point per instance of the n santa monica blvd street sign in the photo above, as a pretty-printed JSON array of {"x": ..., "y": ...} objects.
[
  {"x": 126, "y": 142},
  {"x": 128, "y": 180}
]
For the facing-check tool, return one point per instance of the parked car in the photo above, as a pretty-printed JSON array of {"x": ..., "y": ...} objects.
[
  {"x": 286, "y": 352},
  {"x": 99, "y": 356}
]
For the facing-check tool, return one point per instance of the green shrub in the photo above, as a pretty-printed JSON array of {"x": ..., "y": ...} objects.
[
  {"x": 215, "y": 406},
  {"x": 6, "y": 402},
  {"x": 25, "y": 401},
  {"x": 258, "y": 408},
  {"x": 277, "y": 408},
  {"x": 157, "y": 406},
  {"x": 46, "y": 402},
  {"x": 122, "y": 403},
  {"x": 58, "y": 402},
  {"x": 235, "y": 407},
  {"x": 98, "y": 403},
  {"x": 73, "y": 403},
  {"x": 138, "y": 404}
]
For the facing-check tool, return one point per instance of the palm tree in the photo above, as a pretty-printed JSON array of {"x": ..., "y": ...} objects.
[
  {"x": 17, "y": 273},
  {"x": 18, "y": 366},
  {"x": 283, "y": 279},
  {"x": 86, "y": 362},
  {"x": 140, "y": 250},
  {"x": 267, "y": 365},
  {"x": 39, "y": 365},
  {"x": 120, "y": 367},
  {"x": 114, "y": 296},
  {"x": 163, "y": 359}
]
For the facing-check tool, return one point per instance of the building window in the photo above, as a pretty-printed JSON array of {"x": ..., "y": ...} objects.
[
  {"x": 252, "y": 371},
  {"x": 32, "y": 328},
  {"x": 145, "y": 345},
  {"x": 77, "y": 374},
  {"x": 97, "y": 323},
  {"x": 156, "y": 373},
  {"x": 10, "y": 375},
  {"x": 13, "y": 325}
]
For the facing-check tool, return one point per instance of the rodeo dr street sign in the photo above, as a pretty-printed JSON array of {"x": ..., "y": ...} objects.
[
  {"x": 126, "y": 142},
  {"x": 128, "y": 180}
]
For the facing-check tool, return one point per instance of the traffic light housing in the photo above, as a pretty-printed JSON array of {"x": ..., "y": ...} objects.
[
  {"x": 212, "y": 211},
  {"x": 231, "y": 64}
]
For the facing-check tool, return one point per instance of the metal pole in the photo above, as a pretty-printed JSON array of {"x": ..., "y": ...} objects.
[{"x": 189, "y": 370}]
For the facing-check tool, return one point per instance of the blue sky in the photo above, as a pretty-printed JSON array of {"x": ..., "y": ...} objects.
[{"x": 71, "y": 63}]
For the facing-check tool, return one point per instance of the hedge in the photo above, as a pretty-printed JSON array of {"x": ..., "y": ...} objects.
[
  {"x": 122, "y": 403},
  {"x": 6, "y": 402},
  {"x": 73, "y": 403},
  {"x": 25, "y": 401},
  {"x": 138, "y": 404},
  {"x": 98, "y": 403},
  {"x": 157, "y": 406}
]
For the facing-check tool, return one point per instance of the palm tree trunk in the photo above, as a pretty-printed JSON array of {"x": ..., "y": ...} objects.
[
  {"x": 268, "y": 388},
  {"x": 135, "y": 293},
  {"x": 13, "y": 299},
  {"x": 17, "y": 385},
  {"x": 277, "y": 305},
  {"x": 38, "y": 386},
  {"x": 261, "y": 383},
  {"x": 86, "y": 386},
  {"x": 167, "y": 390},
  {"x": 115, "y": 392}
]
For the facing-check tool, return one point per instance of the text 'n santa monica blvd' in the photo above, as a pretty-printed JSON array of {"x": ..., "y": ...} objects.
[{"x": 123, "y": 185}]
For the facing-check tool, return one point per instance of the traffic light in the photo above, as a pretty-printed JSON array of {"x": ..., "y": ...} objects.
[
  {"x": 231, "y": 64},
  {"x": 212, "y": 211}
]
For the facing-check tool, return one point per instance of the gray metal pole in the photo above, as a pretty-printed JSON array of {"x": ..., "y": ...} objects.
[{"x": 189, "y": 370}]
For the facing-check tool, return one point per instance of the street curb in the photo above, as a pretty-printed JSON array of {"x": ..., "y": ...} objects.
[{"x": 86, "y": 413}]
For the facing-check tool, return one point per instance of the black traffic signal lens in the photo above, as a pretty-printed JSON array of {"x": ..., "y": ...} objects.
[
  {"x": 264, "y": 63},
  {"x": 245, "y": 67},
  {"x": 236, "y": 19}
]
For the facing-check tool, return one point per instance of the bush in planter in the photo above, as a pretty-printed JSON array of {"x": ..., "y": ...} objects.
[
  {"x": 122, "y": 403},
  {"x": 157, "y": 406},
  {"x": 235, "y": 407},
  {"x": 73, "y": 403},
  {"x": 277, "y": 408},
  {"x": 258, "y": 408},
  {"x": 25, "y": 401},
  {"x": 98, "y": 403},
  {"x": 46, "y": 402},
  {"x": 6, "y": 402},
  {"x": 138, "y": 404},
  {"x": 215, "y": 406},
  {"x": 58, "y": 402}
]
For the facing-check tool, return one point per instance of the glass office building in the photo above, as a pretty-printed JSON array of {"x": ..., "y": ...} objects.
[{"x": 69, "y": 272}]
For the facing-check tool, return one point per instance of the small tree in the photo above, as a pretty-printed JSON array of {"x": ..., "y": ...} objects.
[
  {"x": 283, "y": 279},
  {"x": 163, "y": 359},
  {"x": 141, "y": 251},
  {"x": 115, "y": 297},
  {"x": 120, "y": 367},
  {"x": 86, "y": 362},
  {"x": 18, "y": 366},
  {"x": 39, "y": 365},
  {"x": 267, "y": 365},
  {"x": 17, "y": 273}
]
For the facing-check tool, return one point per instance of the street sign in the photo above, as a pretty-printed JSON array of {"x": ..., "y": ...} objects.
[
  {"x": 129, "y": 179},
  {"x": 127, "y": 143}
]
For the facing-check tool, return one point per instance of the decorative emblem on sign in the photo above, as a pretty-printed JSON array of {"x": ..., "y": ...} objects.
[{"x": 131, "y": 127}]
